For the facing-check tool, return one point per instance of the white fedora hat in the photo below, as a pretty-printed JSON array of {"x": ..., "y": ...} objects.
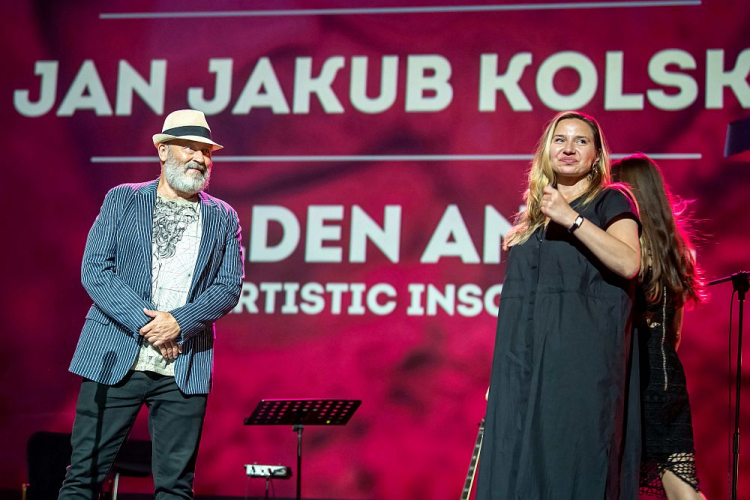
[{"x": 187, "y": 124}]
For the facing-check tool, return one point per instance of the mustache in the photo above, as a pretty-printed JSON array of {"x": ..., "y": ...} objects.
[{"x": 197, "y": 166}]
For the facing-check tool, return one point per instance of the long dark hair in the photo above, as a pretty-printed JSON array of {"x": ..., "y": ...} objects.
[{"x": 667, "y": 253}]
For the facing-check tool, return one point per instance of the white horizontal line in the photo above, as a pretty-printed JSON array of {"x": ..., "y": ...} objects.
[
  {"x": 400, "y": 10},
  {"x": 373, "y": 158},
  {"x": 664, "y": 156}
]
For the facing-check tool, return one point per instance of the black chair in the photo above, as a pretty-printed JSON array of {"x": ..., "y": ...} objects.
[
  {"x": 134, "y": 460},
  {"x": 48, "y": 456}
]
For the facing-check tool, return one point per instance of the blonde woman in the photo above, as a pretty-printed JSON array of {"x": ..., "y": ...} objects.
[
  {"x": 559, "y": 384},
  {"x": 670, "y": 278}
]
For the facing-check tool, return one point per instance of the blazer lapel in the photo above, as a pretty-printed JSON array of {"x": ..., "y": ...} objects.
[
  {"x": 211, "y": 220},
  {"x": 144, "y": 222}
]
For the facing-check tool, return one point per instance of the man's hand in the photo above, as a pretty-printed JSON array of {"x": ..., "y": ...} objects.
[
  {"x": 170, "y": 350},
  {"x": 161, "y": 330}
]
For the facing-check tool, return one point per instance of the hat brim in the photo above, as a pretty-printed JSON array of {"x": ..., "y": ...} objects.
[{"x": 162, "y": 138}]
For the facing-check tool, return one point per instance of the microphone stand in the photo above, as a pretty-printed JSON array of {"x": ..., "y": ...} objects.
[{"x": 741, "y": 285}]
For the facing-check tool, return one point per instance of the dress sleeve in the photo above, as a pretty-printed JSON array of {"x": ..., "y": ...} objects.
[{"x": 617, "y": 203}]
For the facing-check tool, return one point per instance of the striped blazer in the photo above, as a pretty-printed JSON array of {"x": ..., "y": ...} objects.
[{"x": 116, "y": 273}]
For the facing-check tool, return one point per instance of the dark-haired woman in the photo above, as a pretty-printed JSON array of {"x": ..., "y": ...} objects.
[
  {"x": 557, "y": 398},
  {"x": 669, "y": 279}
]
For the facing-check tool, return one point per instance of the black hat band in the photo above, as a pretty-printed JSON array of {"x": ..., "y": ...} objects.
[{"x": 189, "y": 130}]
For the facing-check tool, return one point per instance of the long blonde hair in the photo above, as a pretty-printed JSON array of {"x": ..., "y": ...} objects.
[{"x": 541, "y": 174}]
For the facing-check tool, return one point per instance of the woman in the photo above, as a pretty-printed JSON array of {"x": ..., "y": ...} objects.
[
  {"x": 556, "y": 404},
  {"x": 669, "y": 278}
]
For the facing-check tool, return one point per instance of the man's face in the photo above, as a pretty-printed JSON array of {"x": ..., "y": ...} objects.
[{"x": 187, "y": 167}]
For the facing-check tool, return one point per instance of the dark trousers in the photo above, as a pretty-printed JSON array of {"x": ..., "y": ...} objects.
[{"x": 104, "y": 417}]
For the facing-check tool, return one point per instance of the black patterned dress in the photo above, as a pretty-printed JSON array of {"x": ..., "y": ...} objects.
[{"x": 667, "y": 430}]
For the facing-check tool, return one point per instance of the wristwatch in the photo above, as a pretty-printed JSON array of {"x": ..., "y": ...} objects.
[{"x": 576, "y": 224}]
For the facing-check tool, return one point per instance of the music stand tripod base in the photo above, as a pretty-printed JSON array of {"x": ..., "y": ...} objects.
[{"x": 301, "y": 412}]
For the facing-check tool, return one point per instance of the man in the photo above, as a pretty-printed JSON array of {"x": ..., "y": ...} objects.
[{"x": 162, "y": 263}]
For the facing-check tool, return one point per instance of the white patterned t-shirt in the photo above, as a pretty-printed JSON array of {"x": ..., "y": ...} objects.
[{"x": 176, "y": 236}]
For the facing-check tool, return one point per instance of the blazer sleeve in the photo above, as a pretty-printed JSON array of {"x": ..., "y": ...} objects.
[
  {"x": 99, "y": 274},
  {"x": 222, "y": 295}
]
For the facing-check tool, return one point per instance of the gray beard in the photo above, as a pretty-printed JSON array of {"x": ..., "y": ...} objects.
[{"x": 179, "y": 180}]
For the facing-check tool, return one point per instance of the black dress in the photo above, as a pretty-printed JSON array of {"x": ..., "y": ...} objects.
[
  {"x": 667, "y": 428},
  {"x": 559, "y": 390}
]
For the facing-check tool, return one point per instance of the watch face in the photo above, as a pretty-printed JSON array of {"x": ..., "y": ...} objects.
[{"x": 576, "y": 224}]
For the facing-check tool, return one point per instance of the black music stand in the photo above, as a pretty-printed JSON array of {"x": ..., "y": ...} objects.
[
  {"x": 737, "y": 148},
  {"x": 301, "y": 412}
]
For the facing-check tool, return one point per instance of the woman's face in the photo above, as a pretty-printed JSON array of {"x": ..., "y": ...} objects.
[{"x": 572, "y": 150}]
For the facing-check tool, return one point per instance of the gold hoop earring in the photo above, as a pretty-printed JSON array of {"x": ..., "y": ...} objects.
[{"x": 592, "y": 170}]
